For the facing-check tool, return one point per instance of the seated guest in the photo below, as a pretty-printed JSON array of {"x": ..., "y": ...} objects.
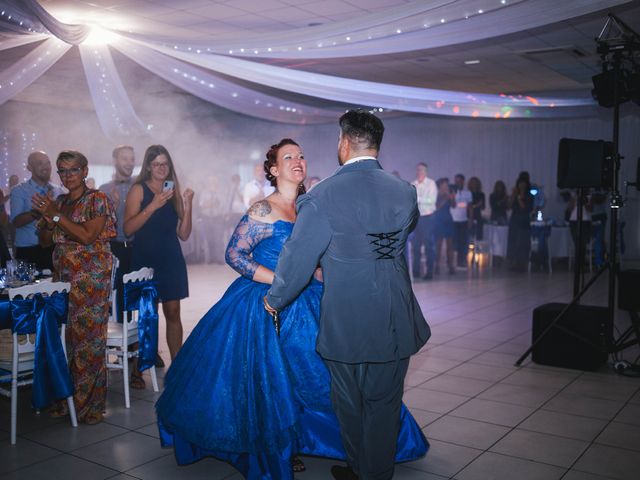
[
  {"x": 476, "y": 207},
  {"x": 499, "y": 202},
  {"x": 80, "y": 225}
]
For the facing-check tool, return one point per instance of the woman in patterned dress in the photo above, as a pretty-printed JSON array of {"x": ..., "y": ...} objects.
[{"x": 80, "y": 225}]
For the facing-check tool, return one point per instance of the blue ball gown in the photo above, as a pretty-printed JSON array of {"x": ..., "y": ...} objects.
[{"x": 238, "y": 392}]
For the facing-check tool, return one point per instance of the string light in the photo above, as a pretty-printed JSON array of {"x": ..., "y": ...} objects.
[
  {"x": 234, "y": 94},
  {"x": 106, "y": 87},
  {"x": 414, "y": 20},
  {"x": 5, "y": 157},
  {"x": 22, "y": 23}
]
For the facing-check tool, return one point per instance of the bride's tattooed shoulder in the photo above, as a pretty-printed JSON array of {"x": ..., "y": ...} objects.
[{"x": 260, "y": 209}]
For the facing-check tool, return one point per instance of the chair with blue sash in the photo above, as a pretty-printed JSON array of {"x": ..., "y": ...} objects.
[
  {"x": 39, "y": 357},
  {"x": 139, "y": 325}
]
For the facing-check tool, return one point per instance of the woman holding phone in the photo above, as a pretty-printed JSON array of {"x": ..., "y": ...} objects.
[{"x": 158, "y": 214}]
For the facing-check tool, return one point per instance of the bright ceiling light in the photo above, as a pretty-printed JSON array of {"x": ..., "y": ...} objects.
[
  {"x": 471, "y": 62},
  {"x": 100, "y": 36}
]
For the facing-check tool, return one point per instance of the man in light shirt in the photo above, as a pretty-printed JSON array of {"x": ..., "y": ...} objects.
[
  {"x": 460, "y": 214},
  {"x": 424, "y": 234},
  {"x": 24, "y": 218},
  {"x": 258, "y": 188}
]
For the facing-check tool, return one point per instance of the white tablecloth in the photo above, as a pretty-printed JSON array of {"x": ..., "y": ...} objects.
[{"x": 559, "y": 241}]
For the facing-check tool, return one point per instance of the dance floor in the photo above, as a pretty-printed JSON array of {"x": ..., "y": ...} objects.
[{"x": 485, "y": 418}]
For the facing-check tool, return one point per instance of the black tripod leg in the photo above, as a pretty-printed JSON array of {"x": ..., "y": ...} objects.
[{"x": 621, "y": 343}]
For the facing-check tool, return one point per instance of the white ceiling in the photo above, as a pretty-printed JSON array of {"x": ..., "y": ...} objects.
[{"x": 555, "y": 58}]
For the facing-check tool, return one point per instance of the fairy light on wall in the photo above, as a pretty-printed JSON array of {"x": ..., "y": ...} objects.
[
  {"x": 24, "y": 153},
  {"x": 5, "y": 157}
]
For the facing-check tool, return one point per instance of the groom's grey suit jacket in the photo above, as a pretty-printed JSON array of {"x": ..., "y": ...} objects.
[{"x": 355, "y": 225}]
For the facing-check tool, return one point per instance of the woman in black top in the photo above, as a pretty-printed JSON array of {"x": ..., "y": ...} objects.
[
  {"x": 476, "y": 207},
  {"x": 519, "y": 240},
  {"x": 499, "y": 202}
]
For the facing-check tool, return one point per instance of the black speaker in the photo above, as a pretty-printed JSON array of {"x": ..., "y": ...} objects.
[
  {"x": 584, "y": 163},
  {"x": 604, "y": 85},
  {"x": 628, "y": 298},
  {"x": 561, "y": 349}
]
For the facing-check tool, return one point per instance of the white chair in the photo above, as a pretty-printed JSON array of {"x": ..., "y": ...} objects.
[
  {"x": 121, "y": 336},
  {"x": 22, "y": 364}
]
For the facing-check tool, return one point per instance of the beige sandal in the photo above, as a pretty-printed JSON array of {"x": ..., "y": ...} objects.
[{"x": 137, "y": 382}]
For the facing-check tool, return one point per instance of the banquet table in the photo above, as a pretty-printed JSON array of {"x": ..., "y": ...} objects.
[{"x": 559, "y": 241}]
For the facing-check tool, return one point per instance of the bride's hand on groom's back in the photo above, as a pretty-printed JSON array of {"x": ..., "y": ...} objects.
[{"x": 318, "y": 275}]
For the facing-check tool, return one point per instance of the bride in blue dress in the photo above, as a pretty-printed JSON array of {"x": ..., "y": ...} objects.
[{"x": 238, "y": 392}]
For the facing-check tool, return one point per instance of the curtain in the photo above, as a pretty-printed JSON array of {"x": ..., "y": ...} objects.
[
  {"x": 29, "y": 68},
  {"x": 113, "y": 107}
]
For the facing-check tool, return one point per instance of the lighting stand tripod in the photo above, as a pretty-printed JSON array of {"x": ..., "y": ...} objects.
[{"x": 611, "y": 51}]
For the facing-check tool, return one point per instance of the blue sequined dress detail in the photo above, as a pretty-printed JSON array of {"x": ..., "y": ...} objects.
[{"x": 239, "y": 393}]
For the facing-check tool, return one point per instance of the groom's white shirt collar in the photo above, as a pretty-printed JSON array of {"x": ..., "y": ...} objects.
[{"x": 358, "y": 159}]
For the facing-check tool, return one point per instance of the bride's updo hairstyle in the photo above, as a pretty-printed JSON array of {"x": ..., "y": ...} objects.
[{"x": 272, "y": 160}]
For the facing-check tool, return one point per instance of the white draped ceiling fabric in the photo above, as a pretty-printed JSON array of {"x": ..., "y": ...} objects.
[
  {"x": 414, "y": 26},
  {"x": 221, "y": 73},
  {"x": 113, "y": 107}
]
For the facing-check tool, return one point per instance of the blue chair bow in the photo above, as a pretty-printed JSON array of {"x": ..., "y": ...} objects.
[
  {"x": 43, "y": 316},
  {"x": 143, "y": 296},
  {"x": 5, "y": 314}
]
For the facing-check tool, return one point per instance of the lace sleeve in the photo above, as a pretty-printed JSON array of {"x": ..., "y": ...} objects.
[{"x": 246, "y": 236}]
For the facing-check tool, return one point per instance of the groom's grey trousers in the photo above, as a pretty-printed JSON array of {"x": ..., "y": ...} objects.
[{"x": 367, "y": 398}]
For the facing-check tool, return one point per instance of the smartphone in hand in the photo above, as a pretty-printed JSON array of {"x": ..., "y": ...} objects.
[{"x": 167, "y": 185}]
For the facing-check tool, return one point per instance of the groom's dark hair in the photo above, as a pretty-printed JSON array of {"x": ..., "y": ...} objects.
[{"x": 362, "y": 128}]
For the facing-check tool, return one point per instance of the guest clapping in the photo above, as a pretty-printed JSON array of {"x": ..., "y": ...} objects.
[
  {"x": 80, "y": 225},
  {"x": 159, "y": 215}
]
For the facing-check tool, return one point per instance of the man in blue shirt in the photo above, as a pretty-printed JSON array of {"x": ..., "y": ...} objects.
[
  {"x": 117, "y": 189},
  {"x": 124, "y": 162},
  {"x": 24, "y": 219}
]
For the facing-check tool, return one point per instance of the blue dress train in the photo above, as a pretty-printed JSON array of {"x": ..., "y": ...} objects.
[{"x": 241, "y": 394}]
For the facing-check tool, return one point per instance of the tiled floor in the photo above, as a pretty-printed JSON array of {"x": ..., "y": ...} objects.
[{"x": 485, "y": 418}]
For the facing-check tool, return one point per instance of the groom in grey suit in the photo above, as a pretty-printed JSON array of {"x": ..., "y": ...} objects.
[{"x": 355, "y": 225}]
